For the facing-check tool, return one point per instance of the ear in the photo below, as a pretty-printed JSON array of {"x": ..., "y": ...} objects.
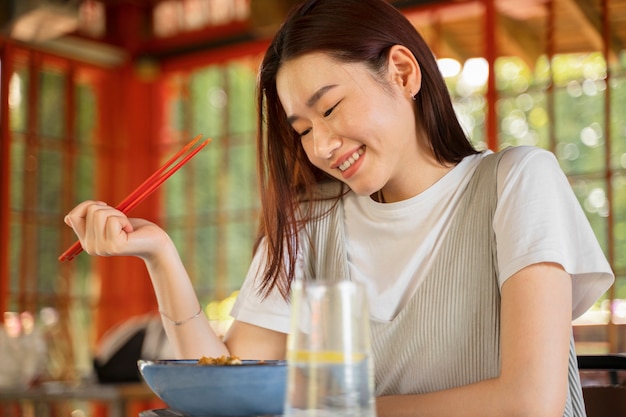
[{"x": 404, "y": 70}]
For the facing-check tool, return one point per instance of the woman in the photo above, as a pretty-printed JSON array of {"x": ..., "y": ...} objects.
[{"x": 474, "y": 262}]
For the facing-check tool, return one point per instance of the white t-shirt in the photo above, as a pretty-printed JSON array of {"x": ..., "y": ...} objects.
[{"x": 390, "y": 247}]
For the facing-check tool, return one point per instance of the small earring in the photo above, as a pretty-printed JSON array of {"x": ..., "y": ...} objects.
[{"x": 413, "y": 96}]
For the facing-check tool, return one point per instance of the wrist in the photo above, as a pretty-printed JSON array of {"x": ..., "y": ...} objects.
[{"x": 183, "y": 321}]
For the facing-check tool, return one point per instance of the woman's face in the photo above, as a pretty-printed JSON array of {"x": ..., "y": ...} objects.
[{"x": 357, "y": 128}]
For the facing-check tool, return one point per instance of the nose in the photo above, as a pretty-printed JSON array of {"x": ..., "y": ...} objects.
[{"x": 324, "y": 141}]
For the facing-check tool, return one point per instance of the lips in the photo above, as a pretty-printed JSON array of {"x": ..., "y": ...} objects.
[{"x": 347, "y": 163}]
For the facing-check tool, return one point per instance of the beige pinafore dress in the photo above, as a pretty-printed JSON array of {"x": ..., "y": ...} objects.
[{"x": 447, "y": 335}]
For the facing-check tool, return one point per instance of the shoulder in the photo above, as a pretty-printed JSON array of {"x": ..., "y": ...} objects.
[
  {"x": 514, "y": 156},
  {"x": 520, "y": 158},
  {"x": 529, "y": 164}
]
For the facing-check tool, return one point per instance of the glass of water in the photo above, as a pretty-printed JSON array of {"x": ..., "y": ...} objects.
[{"x": 330, "y": 369}]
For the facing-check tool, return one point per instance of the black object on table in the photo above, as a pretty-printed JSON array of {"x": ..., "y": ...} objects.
[
  {"x": 604, "y": 395},
  {"x": 611, "y": 363}
]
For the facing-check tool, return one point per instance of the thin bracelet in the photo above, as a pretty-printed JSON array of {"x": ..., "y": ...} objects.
[{"x": 178, "y": 323}]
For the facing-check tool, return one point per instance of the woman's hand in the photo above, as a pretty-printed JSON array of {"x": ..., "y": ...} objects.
[{"x": 105, "y": 231}]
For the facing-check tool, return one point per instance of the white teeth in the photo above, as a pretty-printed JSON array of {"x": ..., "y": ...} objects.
[{"x": 348, "y": 162}]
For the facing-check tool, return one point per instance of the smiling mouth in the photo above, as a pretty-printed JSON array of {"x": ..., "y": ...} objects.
[{"x": 353, "y": 158}]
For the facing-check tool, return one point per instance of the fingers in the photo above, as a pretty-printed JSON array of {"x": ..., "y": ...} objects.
[
  {"x": 76, "y": 218},
  {"x": 101, "y": 229},
  {"x": 107, "y": 230}
]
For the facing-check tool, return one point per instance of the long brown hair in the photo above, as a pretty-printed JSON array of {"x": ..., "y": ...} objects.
[{"x": 350, "y": 31}]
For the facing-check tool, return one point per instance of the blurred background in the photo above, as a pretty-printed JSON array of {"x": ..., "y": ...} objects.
[{"x": 96, "y": 94}]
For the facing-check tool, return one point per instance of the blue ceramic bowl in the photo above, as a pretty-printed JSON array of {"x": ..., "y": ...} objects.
[{"x": 250, "y": 389}]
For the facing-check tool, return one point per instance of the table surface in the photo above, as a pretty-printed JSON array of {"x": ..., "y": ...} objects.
[
  {"x": 168, "y": 413},
  {"x": 61, "y": 391},
  {"x": 116, "y": 396}
]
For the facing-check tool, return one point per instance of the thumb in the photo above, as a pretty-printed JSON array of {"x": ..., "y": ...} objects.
[{"x": 127, "y": 226}]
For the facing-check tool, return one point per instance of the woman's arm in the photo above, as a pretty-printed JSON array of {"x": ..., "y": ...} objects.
[
  {"x": 535, "y": 335},
  {"x": 105, "y": 231}
]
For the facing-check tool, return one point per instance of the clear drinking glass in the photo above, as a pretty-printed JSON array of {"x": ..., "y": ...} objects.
[{"x": 330, "y": 368}]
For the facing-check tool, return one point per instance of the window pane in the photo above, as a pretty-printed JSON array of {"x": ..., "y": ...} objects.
[
  {"x": 17, "y": 150},
  {"x": 207, "y": 252},
  {"x": 241, "y": 104},
  {"x": 209, "y": 101},
  {"x": 471, "y": 111},
  {"x": 579, "y": 112},
  {"x": 209, "y": 178},
  {"x": 619, "y": 217},
  {"x": 50, "y": 185},
  {"x": 176, "y": 110},
  {"x": 467, "y": 89},
  {"x": 176, "y": 204},
  {"x": 85, "y": 175},
  {"x": 47, "y": 249},
  {"x": 620, "y": 293},
  {"x": 211, "y": 206},
  {"x": 15, "y": 252},
  {"x": 86, "y": 111},
  {"x": 618, "y": 122},
  {"x": 579, "y": 131},
  {"x": 523, "y": 120},
  {"x": 242, "y": 178},
  {"x": 240, "y": 235},
  {"x": 52, "y": 104},
  {"x": 51, "y": 163}
]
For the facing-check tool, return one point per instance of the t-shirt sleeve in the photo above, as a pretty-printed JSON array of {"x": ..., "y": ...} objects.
[
  {"x": 272, "y": 312},
  {"x": 538, "y": 219}
]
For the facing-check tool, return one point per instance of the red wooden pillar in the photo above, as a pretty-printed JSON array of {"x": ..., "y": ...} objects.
[
  {"x": 131, "y": 127},
  {"x": 5, "y": 74}
]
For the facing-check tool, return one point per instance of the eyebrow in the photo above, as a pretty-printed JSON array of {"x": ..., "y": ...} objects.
[{"x": 313, "y": 99}]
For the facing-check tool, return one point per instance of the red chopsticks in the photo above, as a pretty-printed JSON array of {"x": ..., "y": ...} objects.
[{"x": 146, "y": 188}]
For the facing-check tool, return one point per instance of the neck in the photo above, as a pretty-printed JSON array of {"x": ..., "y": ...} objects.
[
  {"x": 394, "y": 193},
  {"x": 379, "y": 196}
]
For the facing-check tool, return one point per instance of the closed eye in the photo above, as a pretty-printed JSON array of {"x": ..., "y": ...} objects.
[
  {"x": 325, "y": 114},
  {"x": 329, "y": 111}
]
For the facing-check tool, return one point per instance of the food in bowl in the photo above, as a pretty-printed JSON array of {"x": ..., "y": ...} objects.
[
  {"x": 251, "y": 388},
  {"x": 222, "y": 360}
]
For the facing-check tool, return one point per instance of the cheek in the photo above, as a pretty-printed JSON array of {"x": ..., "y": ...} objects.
[{"x": 371, "y": 114}]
